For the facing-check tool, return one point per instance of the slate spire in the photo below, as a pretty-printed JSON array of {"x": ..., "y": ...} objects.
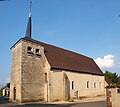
[{"x": 29, "y": 25}]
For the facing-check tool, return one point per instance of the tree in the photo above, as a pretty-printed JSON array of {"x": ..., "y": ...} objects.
[
  {"x": 112, "y": 76},
  {"x": 0, "y": 92}
]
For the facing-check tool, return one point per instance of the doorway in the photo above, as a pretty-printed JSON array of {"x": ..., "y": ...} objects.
[
  {"x": 66, "y": 88},
  {"x": 14, "y": 93}
]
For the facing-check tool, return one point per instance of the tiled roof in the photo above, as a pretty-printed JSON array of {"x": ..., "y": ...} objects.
[
  {"x": 118, "y": 82},
  {"x": 108, "y": 80},
  {"x": 59, "y": 58}
]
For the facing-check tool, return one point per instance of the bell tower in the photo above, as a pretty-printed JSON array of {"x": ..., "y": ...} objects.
[{"x": 27, "y": 69}]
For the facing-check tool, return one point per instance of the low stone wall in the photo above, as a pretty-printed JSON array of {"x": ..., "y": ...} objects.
[
  {"x": 108, "y": 97},
  {"x": 113, "y": 97}
]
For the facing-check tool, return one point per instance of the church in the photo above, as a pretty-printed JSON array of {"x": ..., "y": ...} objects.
[{"x": 43, "y": 72}]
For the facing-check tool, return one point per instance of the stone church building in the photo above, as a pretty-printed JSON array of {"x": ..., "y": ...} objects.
[{"x": 43, "y": 72}]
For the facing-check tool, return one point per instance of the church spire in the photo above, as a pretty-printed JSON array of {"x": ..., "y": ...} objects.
[{"x": 29, "y": 25}]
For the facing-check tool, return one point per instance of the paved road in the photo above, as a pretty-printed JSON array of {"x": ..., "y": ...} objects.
[
  {"x": 4, "y": 103},
  {"x": 3, "y": 100},
  {"x": 91, "y": 104}
]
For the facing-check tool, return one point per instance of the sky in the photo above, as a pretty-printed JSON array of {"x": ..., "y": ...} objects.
[{"x": 88, "y": 27}]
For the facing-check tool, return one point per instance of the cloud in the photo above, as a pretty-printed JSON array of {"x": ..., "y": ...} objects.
[{"x": 106, "y": 62}]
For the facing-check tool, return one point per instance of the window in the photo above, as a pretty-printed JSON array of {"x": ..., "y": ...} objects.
[
  {"x": 118, "y": 91},
  {"x": 72, "y": 85},
  {"x": 29, "y": 50},
  {"x": 87, "y": 84},
  {"x": 45, "y": 77},
  {"x": 99, "y": 84},
  {"x": 94, "y": 84},
  {"x": 37, "y": 52}
]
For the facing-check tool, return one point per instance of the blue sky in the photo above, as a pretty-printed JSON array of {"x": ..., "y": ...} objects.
[{"x": 89, "y": 27}]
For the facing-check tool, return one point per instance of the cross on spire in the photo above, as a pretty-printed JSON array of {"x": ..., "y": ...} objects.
[
  {"x": 29, "y": 25},
  {"x": 30, "y": 9}
]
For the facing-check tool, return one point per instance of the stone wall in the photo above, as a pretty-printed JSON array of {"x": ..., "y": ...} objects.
[
  {"x": 96, "y": 86},
  {"x": 28, "y": 67},
  {"x": 56, "y": 85},
  {"x": 61, "y": 90},
  {"x": 15, "y": 76},
  {"x": 108, "y": 97},
  {"x": 115, "y": 97},
  {"x": 32, "y": 74}
]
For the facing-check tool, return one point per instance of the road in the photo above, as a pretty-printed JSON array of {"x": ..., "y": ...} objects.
[{"x": 4, "y": 103}]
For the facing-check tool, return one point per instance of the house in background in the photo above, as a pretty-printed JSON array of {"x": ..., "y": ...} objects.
[
  {"x": 6, "y": 90},
  {"x": 41, "y": 71}
]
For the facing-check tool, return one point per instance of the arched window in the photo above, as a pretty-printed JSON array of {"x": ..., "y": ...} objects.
[
  {"x": 45, "y": 77},
  {"x": 94, "y": 84},
  {"x": 88, "y": 84},
  {"x": 99, "y": 84},
  {"x": 14, "y": 93},
  {"x": 72, "y": 85}
]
